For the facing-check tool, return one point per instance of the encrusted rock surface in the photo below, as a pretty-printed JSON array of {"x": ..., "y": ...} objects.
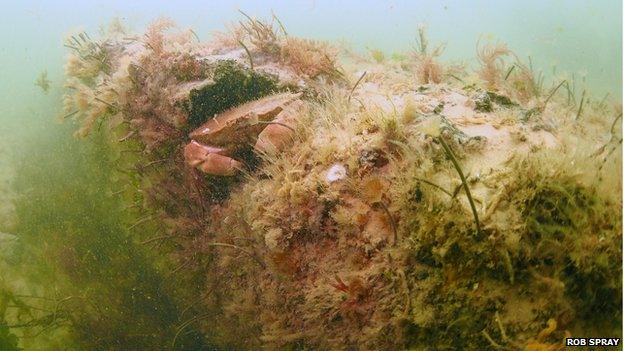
[{"x": 359, "y": 235}]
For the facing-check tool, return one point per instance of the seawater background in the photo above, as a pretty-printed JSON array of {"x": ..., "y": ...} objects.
[{"x": 64, "y": 178}]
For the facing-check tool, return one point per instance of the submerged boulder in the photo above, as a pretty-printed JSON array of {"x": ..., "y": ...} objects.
[{"x": 401, "y": 216}]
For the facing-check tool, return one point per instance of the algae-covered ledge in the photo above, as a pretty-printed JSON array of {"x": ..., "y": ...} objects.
[{"x": 330, "y": 200}]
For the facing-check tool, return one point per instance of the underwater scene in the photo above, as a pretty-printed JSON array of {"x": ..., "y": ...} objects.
[{"x": 310, "y": 175}]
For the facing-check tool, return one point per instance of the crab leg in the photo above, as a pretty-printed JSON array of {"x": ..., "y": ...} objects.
[
  {"x": 210, "y": 159},
  {"x": 280, "y": 130}
]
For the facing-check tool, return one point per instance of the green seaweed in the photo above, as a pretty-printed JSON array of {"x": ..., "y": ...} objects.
[
  {"x": 501, "y": 99},
  {"x": 563, "y": 214},
  {"x": 569, "y": 250},
  {"x": 79, "y": 248},
  {"x": 8, "y": 340},
  {"x": 485, "y": 100},
  {"x": 453, "y": 159},
  {"x": 233, "y": 85}
]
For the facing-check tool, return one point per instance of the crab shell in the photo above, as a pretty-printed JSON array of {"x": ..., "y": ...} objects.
[{"x": 266, "y": 123}]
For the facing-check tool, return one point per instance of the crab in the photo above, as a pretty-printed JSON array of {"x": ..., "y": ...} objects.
[{"x": 266, "y": 123}]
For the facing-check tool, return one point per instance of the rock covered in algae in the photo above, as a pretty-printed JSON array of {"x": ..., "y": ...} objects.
[{"x": 469, "y": 211}]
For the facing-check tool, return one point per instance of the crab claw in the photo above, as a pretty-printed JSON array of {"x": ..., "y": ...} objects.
[
  {"x": 277, "y": 134},
  {"x": 210, "y": 159}
]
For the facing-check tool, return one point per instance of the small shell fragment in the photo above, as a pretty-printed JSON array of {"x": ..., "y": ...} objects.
[{"x": 335, "y": 173}]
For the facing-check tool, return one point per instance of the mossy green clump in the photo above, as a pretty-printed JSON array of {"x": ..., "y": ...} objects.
[
  {"x": 450, "y": 270},
  {"x": 575, "y": 234},
  {"x": 501, "y": 99},
  {"x": 552, "y": 252},
  {"x": 233, "y": 85},
  {"x": 485, "y": 100}
]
